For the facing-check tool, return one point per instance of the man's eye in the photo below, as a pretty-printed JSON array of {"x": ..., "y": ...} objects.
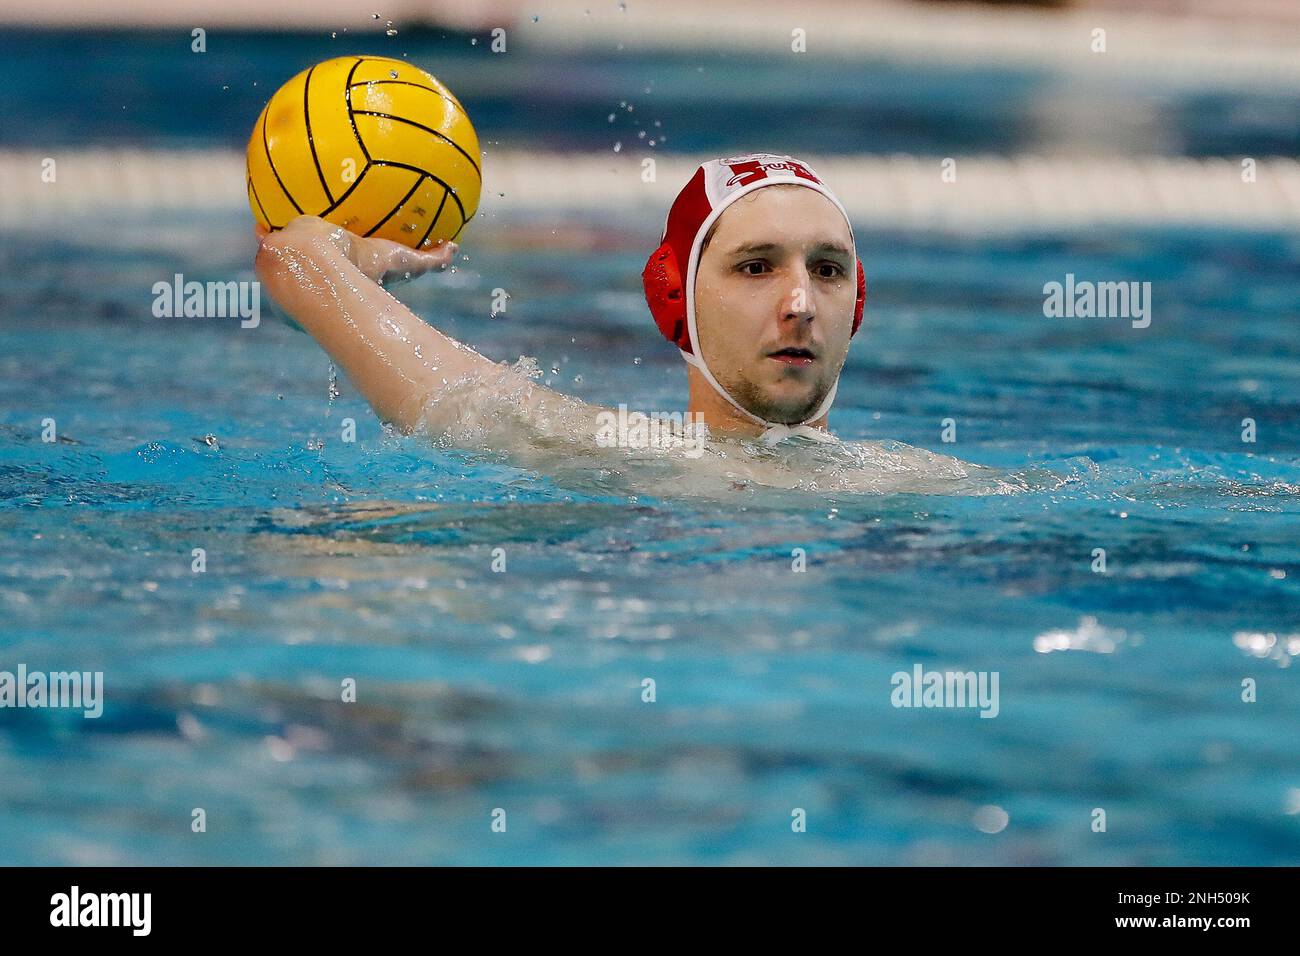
[
  {"x": 749, "y": 267},
  {"x": 830, "y": 270}
]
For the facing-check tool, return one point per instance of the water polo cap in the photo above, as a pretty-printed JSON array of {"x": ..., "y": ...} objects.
[{"x": 670, "y": 288}]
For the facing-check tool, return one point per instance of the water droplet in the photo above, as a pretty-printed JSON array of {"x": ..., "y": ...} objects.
[
  {"x": 641, "y": 135},
  {"x": 990, "y": 819},
  {"x": 577, "y": 380},
  {"x": 611, "y": 117},
  {"x": 391, "y": 32},
  {"x": 334, "y": 383},
  {"x": 393, "y": 74},
  {"x": 536, "y": 18},
  {"x": 334, "y": 34},
  {"x": 473, "y": 41},
  {"x": 618, "y": 147},
  {"x": 374, "y": 16},
  {"x": 637, "y": 360}
]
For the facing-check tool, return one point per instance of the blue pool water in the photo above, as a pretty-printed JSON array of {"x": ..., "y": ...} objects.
[
  {"x": 522, "y": 690},
  {"x": 108, "y": 87}
]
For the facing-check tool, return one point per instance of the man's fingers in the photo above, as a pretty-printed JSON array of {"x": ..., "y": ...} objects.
[
  {"x": 384, "y": 259},
  {"x": 441, "y": 253},
  {"x": 427, "y": 259}
]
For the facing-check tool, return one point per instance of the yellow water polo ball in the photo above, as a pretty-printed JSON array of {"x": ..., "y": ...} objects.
[{"x": 373, "y": 144}]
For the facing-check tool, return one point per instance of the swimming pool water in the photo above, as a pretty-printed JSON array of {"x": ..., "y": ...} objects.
[{"x": 522, "y": 690}]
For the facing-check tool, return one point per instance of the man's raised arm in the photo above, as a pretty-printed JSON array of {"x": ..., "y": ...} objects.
[{"x": 327, "y": 279}]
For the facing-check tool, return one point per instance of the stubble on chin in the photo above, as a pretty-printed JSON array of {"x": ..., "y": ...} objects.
[{"x": 753, "y": 397}]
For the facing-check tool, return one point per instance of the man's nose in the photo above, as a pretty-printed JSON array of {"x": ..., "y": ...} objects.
[{"x": 798, "y": 302}]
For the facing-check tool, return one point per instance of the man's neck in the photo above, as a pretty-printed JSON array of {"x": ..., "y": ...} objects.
[{"x": 719, "y": 414}]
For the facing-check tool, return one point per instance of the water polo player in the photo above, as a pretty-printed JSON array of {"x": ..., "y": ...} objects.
[
  {"x": 760, "y": 288},
  {"x": 761, "y": 302}
]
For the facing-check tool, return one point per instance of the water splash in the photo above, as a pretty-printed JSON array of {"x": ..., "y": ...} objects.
[{"x": 333, "y": 384}]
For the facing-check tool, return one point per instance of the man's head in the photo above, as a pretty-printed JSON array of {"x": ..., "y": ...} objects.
[
  {"x": 774, "y": 294},
  {"x": 757, "y": 283}
]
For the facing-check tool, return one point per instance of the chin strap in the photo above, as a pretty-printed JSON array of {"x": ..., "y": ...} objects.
[{"x": 775, "y": 431}]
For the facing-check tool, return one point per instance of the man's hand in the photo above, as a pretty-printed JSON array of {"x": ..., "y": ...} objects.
[{"x": 381, "y": 260}]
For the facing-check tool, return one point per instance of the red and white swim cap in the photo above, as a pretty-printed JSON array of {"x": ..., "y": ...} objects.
[{"x": 669, "y": 276}]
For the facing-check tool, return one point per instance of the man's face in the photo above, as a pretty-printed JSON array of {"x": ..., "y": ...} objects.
[{"x": 774, "y": 295}]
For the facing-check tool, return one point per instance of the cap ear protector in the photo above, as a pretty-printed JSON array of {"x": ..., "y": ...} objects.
[{"x": 665, "y": 293}]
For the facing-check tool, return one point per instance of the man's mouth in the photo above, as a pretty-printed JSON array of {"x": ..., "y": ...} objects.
[{"x": 793, "y": 356}]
